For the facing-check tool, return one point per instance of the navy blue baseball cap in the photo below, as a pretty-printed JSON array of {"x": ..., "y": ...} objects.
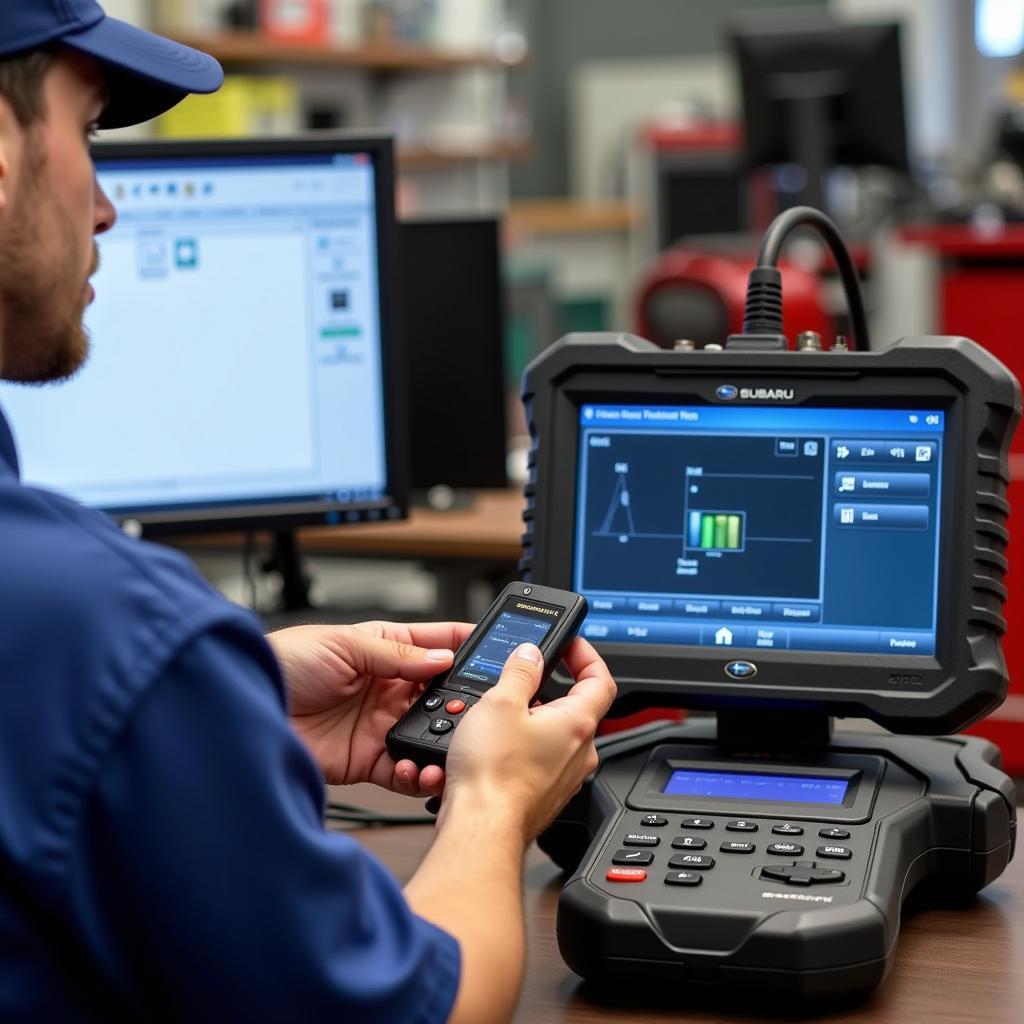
[{"x": 145, "y": 74}]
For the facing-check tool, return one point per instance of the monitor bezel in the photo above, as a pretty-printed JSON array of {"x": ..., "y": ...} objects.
[
  {"x": 286, "y": 514},
  {"x": 966, "y": 675}
]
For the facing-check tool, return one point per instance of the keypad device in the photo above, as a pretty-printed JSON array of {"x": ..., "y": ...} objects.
[{"x": 522, "y": 613}]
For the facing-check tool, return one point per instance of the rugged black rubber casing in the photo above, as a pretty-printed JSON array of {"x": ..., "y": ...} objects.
[
  {"x": 924, "y": 809},
  {"x": 981, "y": 399}
]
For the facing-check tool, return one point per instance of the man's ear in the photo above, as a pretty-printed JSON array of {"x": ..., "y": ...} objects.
[{"x": 10, "y": 146}]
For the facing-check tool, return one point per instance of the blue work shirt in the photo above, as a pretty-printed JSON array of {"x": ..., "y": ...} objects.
[{"x": 161, "y": 847}]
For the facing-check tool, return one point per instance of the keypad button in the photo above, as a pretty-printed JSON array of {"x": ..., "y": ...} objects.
[
  {"x": 698, "y": 823},
  {"x": 433, "y": 702},
  {"x": 455, "y": 707},
  {"x": 440, "y": 725},
  {"x": 653, "y": 821},
  {"x": 632, "y": 857},
  {"x": 737, "y": 848},
  {"x": 688, "y": 843},
  {"x": 683, "y": 878},
  {"x": 786, "y": 849},
  {"x": 787, "y": 830},
  {"x": 802, "y": 873},
  {"x": 838, "y": 852},
  {"x": 741, "y": 826},
  {"x": 823, "y": 876},
  {"x": 640, "y": 839},
  {"x": 834, "y": 833},
  {"x": 626, "y": 875},
  {"x": 692, "y": 860}
]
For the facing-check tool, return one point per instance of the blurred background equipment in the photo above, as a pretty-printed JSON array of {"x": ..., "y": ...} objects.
[
  {"x": 453, "y": 309},
  {"x": 699, "y": 296},
  {"x": 606, "y": 135},
  {"x": 818, "y": 94}
]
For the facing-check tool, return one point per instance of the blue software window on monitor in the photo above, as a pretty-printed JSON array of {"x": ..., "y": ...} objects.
[
  {"x": 755, "y": 527},
  {"x": 236, "y": 341}
]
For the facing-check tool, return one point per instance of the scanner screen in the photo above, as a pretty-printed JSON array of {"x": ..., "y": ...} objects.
[
  {"x": 813, "y": 529},
  {"x": 518, "y": 622},
  {"x": 792, "y": 789}
]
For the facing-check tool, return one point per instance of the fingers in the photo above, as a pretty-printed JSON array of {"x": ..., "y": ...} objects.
[
  {"x": 450, "y": 635},
  {"x": 410, "y": 781},
  {"x": 392, "y": 659},
  {"x": 594, "y": 691},
  {"x": 520, "y": 678},
  {"x": 406, "y": 778},
  {"x": 432, "y": 780}
]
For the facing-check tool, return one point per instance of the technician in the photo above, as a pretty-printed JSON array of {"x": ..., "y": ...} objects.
[{"x": 161, "y": 763}]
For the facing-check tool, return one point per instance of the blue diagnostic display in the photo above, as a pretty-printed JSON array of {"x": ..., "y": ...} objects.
[
  {"x": 813, "y": 529},
  {"x": 790, "y": 789},
  {"x": 508, "y": 631}
]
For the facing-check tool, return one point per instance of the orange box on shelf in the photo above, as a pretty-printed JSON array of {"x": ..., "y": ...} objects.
[{"x": 295, "y": 21}]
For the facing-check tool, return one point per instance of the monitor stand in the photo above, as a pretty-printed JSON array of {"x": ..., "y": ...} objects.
[
  {"x": 773, "y": 732},
  {"x": 286, "y": 560}
]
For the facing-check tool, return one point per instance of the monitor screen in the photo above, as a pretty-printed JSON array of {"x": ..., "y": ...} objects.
[
  {"x": 238, "y": 352},
  {"x": 790, "y": 789},
  {"x": 453, "y": 309},
  {"x": 809, "y": 529}
]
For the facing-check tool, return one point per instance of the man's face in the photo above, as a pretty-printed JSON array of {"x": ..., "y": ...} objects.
[{"x": 53, "y": 207}]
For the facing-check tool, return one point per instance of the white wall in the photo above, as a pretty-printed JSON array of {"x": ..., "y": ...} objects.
[{"x": 608, "y": 99}]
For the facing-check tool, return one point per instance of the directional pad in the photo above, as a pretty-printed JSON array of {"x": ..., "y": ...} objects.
[{"x": 802, "y": 872}]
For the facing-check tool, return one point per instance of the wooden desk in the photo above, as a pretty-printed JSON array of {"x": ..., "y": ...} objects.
[
  {"x": 459, "y": 547},
  {"x": 952, "y": 965},
  {"x": 490, "y": 529}
]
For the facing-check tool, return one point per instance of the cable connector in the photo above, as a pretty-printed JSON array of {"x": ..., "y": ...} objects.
[{"x": 762, "y": 315}]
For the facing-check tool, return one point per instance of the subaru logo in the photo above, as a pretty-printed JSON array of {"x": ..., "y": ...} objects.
[
  {"x": 727, "y": 392},
  {"x": 741, "y": 669}
]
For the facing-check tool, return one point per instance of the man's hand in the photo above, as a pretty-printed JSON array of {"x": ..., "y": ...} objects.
[
  {"x": 347, "y": 685},
  {"x": 529, "y": 760},
  {"x": 511, "y": 766}
]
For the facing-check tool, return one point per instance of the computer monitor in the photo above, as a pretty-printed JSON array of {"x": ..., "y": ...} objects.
[
  {"x": 453, "y": 307},
  {"x": 243, "y": 369},
  {"x": 819, "y": 93}
]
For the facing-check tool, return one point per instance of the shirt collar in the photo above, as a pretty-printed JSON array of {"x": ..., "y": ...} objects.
[{"x": 8, "y": 452}]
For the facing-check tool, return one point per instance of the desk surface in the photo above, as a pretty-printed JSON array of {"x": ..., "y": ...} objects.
[
  {"x": 490, "y": 528},
  {"x": 952, "y": 965}
]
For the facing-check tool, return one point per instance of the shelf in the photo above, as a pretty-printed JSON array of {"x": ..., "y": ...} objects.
[
  {"x": 234, "y": 48},
  {"x": 571, "y": 216},
  {"x": 426, "y": 157}
]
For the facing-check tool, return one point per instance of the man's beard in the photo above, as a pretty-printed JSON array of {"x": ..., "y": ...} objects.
[{"x": 42, "y": 297}]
